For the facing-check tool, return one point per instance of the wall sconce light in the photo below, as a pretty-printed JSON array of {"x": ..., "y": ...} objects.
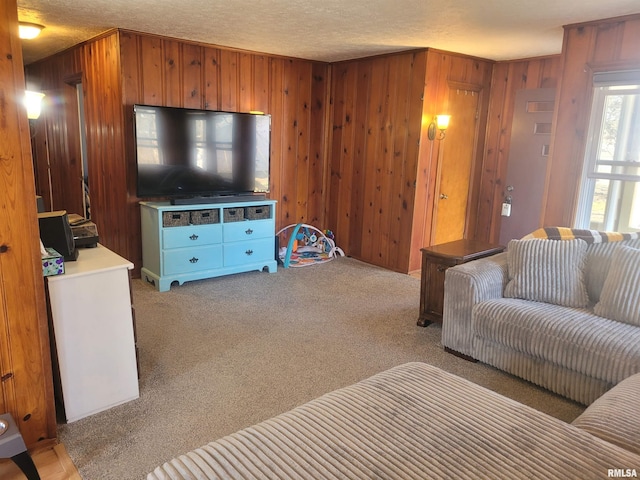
[
  {"x": 33, "y": 102},
  {"x": 28, "y": 31},
  {"x": 441, "y": 123}
]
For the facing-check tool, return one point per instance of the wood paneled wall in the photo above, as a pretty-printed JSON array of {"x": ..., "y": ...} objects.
[
  {"x": 124, "y": 68},
  {"x": 108, "y": 163},
  {"x": 382, "y": 167},
  {"x": 97, "y": 65},
  {"x": 26, "y": 386},
  {"x": 60, "y": 119},
  {"x": 162, "y": 71},
  {"x": 51, "y": 135},
  {"x": 605, "y": 45},
  {"x": 376, "y": 126},
  {"x": 508, "y": 77}
]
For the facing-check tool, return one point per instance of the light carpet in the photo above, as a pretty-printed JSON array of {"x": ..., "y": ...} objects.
[{"x": 221, "y": 354}]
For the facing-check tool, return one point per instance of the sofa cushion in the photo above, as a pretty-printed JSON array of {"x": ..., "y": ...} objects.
[
  {"x": 574, "y": 338},
  {"x": 620, "y": 297},
  {"x": 548, "y": 271},
  {"x": 413, "y": 421},
  {"x": 597, "y": 265},
  {"x": 614, "y": 416}
]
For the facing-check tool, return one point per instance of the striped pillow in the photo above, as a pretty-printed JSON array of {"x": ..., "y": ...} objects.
[
  {"x": 620, "y": 297},
  {"x": 549, "y": 271},
  {"x": 597, "y": 265}
]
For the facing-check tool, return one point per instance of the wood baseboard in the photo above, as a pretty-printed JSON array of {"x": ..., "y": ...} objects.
[{"x": 53, "y": 463}]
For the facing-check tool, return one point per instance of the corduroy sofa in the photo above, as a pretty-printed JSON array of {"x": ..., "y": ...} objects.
[
  {"x": 563, "y": 313},
  {"x": 416, "y": 421}
]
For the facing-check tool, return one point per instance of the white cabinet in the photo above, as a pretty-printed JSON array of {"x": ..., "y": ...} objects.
[
  {"x": 190, "y": 242},
  {"x": 93, "y": 331}
]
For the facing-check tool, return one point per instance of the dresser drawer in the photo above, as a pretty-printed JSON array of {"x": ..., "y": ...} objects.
[
  {"x": 247, "y": 252},
  {"x": 186, "y": 260},
  {"x": 191, "y": 236},
  {"x": 240, "y": 231}
]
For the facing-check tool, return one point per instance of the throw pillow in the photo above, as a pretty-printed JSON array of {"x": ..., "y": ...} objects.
[
  {"x": 597, "y": 263},
  {"x": 614, "y": 416},
  {"x": 549, "y": 271},
  {"x": 620, "y": 297}
]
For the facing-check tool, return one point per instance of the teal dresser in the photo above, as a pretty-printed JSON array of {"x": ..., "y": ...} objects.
[{"x": 181, "y": 243}]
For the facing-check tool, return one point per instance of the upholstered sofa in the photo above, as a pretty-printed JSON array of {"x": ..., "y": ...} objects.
[
  {"x": 562, "y": 311},
  {"x": 416, "y": 421}
]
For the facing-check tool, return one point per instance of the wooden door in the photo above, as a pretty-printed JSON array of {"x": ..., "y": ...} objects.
[
  {"x": 527, "y": 165},
  {"x": 455, "y": 161}
]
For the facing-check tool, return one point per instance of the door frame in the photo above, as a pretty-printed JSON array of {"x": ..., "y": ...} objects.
[{"x": 478, "y": 90}]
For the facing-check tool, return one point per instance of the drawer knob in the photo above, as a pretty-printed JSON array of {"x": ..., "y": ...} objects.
[
  {"x": 194, "y": 237},
  {"x": 248, "y": 231},
  {"x": 249, "y": 252},
  {"x": 193, "y": 260}
]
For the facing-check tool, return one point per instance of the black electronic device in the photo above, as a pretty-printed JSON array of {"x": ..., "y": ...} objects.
[
  {"x": 85, "y": 232},
  {"x": 183, "y": 153},
  {"x": 55, "y": 232}
]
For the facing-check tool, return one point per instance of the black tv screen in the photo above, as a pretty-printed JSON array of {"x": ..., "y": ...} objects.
[{"x": 183, "y": 152}]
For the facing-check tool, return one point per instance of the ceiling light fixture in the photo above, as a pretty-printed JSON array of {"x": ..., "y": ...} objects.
[{"x": 28, "y": 31}]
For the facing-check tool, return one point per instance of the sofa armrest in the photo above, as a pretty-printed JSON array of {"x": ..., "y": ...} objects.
[
  {"x": 464, "y": 286},
  {"x": 614, "y": 416}
]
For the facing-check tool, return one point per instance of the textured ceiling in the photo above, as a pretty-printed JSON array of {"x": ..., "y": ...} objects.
[{"x": 327, "y": 30}]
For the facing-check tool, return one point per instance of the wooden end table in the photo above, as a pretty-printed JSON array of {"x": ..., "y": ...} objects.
[{"x": 435, "y": 261}]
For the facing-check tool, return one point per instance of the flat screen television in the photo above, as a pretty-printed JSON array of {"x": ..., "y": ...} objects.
[{"x": 189, "y": 153}]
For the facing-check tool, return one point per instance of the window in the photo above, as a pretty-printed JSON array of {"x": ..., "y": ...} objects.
[{"x": 610, "y": 188}]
